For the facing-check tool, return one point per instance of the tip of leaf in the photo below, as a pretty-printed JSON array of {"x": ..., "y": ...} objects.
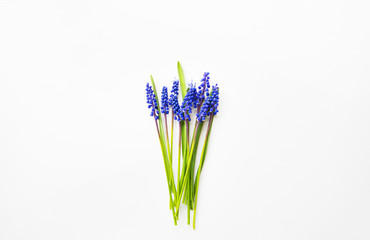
[{"x": 179, "y": 64}]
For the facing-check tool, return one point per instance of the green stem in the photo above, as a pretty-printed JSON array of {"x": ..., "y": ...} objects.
[
  {"x": 179, "y": 158},
  {"x": 162, "y": 139},
  {"x": 189, "y": 213},
  {"x": 200, "y": 167},
  {"x": 168, "y": 144},
  {"x": 192, "y": 142},
  {"x": 184, "y": 181},
  {"x": 196, "y": 199},
  {"x": 172, "y": 135},
  {"x": 178, "y": 163},
  {"x": 166, "y": 168},
  {"x": 187, "y": 133},
  {"x": 168, "y": 148}
]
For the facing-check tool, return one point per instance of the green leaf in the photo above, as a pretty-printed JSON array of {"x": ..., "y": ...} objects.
[
  {"x": 182, "y": 80},
  {"x": 169, "y": 170}
]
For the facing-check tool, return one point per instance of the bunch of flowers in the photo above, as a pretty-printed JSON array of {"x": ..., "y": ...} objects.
[{"x": 200, "y": 104}]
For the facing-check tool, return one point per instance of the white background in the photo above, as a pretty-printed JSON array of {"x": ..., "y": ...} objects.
[{"x": 289, "y": 153}]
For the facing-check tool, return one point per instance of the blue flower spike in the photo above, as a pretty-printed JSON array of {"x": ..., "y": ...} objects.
[
  {"x": 175, "y": 89},
  {"x": 190, "y": 101},
  {"x": 203, "y": 87},
  {"x": 151, "y": 101},
  {"x": 210, "y": 106},
  {"x": 164, "y": 101},
  {"x": 174, "y": 102}
]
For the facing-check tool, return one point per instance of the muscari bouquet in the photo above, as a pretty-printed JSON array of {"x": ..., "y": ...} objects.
[{"x": 201, "y": 102}]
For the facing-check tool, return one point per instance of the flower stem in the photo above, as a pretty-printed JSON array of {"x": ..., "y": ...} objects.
[
  {"x": 168, "y": 145},
  {"x": 168, "y": 148},
  {"x": 171, "y": 135},
  {"x": 172, "y": 206},
  {"x": 187, "y": 133},
  {"x": 184, "y": 181},
  {"x": 200, "y": 167},
  {"x": 179, "y": 157}
]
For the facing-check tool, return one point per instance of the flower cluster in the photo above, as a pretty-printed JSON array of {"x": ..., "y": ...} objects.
[
  {"x": 151, "y": 101},
  {"x": 209, "y": 106},
  {"x": 189, "y": 102},
  {"x": 164, "y": 107},
  {"x": 203, "y": 88},
  {"x": 174, "y": 90},
  {"x": 174, "y": 102},
  {"x": 202, "y": 101}
]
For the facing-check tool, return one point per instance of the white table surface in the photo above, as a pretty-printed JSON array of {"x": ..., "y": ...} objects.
[{"x": 289, "y": 153}]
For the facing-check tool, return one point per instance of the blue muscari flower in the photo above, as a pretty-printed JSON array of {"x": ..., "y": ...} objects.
[
  {"x": 174, "y": 91},
  {"x": 210, "y": 105},
  {"x": 179, "y": 115},
  {"x": 189, "y": 102},
  {"x": 151, "y": 101},
  {"x": 203, "y": 88},
  {"x": 174, "y": 102},
  {"x": 164, "y": 101}
]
